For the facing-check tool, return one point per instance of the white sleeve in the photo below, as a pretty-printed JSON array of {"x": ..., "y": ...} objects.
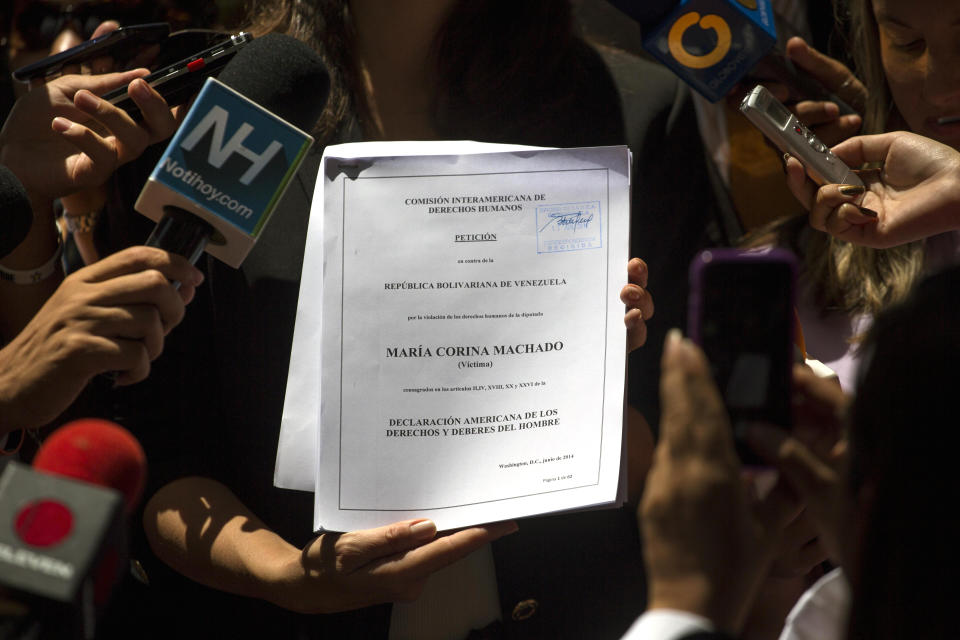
[
  {"x": 667, "y": 624},
  {"x": 822, "y": 611}
]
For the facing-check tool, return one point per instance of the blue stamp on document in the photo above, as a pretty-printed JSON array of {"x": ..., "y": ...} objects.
[{"x": 568, "y": 227}]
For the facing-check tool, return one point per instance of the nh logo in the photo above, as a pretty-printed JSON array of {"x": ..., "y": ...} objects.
[{"x": 216, "y": 119}]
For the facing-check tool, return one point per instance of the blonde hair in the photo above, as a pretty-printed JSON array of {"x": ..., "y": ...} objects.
[{"x": 844, "y": 276}]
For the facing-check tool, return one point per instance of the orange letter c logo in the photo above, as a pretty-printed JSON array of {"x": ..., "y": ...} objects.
[{"x": 687, "y": 59}]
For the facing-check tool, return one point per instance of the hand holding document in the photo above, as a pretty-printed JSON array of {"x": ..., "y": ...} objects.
[{"x": 472, "y": 336}]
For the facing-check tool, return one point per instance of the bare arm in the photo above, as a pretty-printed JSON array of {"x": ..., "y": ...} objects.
[{"x": 201, "y": 529}]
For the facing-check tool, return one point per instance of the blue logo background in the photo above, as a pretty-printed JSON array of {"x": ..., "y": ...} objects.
[
  {"x": 264, "y": 190},
  {"x": 753, "y": 35}
]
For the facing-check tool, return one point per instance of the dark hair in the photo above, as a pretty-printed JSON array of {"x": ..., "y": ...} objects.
[
  {"x": 903, "y": 416},
  {"x": 511, "y": 71},
  {"x": 506, "y": 71}
]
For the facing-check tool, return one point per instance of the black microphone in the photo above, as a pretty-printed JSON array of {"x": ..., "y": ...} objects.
[
  {"x": 238, "y": 148},
  {"x": 16, "y": 215},
  {"x": 714, "y": 45}
]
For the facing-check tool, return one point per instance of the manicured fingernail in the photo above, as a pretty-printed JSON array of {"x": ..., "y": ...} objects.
[
  {"x": 852, "y": 189},
  {"x": 870, "y": 213},
  {"x": 424, "y": 530},
  {"x": 514, "y": 527},
  {"x": 86, "y": 100},
  {"x": 61, "y": 124}
]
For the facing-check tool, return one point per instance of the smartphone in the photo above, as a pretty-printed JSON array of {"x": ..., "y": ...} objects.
[
  {"x": 791, "y": 136},
  {"x": 120, "y": 43},
  {"x": 180, "y": 81},
  {"x": 741, "y": 313}
]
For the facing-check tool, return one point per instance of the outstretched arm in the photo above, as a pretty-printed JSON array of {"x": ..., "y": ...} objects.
[{"x": 201, "y": 529}]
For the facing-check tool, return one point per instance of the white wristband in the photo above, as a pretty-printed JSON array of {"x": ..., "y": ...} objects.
[{"x": 33, "y": 276}]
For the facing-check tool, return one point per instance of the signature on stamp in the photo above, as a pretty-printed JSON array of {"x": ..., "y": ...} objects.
[
  {"x": 569, "y": 226},
  {"x": 569, "y": 221}
]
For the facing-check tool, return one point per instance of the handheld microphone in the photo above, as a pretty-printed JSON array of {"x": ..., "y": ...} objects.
[
  {"x": 62, "y": 537},
  {"x": 16, "y": 215},
  {"x": 714, "y": 44},
  {"x": 226, "y": 168}
]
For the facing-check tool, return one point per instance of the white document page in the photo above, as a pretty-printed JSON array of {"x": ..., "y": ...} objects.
[
  {"x": 472, "y": 336},
  {"x": 297, "y": 447}
]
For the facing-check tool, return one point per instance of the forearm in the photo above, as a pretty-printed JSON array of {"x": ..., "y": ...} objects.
[{"x": 201, "y": 529}]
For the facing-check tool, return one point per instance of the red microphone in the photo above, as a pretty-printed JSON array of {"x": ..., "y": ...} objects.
[
  {"x": 62, "y": 525},
  {"x": 99, "y": 452}
]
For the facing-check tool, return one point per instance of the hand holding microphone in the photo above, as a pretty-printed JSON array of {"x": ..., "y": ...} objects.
[
  {"x": 110, "y": 316},
  {"x": 714, "y": 46}
]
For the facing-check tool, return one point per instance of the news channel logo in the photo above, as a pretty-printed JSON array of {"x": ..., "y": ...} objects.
[
  {"x": 711, "y": 44},
  {"x": 232, "y": 157}
]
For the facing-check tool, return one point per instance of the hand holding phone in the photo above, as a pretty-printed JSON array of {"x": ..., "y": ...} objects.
[
  {"x": 741, "y": 313},
  {"x": 179, "y": 82},
  {"x": 60, "y": 137}
]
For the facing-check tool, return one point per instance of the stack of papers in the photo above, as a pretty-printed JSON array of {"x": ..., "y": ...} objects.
[{"x": 459, "y": 344}]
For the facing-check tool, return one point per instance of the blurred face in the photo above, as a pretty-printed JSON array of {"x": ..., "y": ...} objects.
[{"x": 920, "y": 50}]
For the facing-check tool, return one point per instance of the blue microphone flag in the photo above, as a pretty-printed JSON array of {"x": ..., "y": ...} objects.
[
  {"x": 712, "y": 44},
  {"x": 229, "y": 163}
]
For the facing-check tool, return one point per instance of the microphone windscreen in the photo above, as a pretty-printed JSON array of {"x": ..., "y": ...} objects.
[
  {"x": 99, "y": 452},
  {"x": 282, "y": 75},
  {"x": 16, "y": 216}
]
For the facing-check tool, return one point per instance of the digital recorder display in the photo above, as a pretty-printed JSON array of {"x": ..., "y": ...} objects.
[{"x": 778, "y": 112}]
